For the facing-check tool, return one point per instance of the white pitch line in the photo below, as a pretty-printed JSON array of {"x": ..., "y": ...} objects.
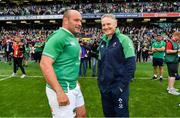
[
  {"x": 5, "y": 78},
  {"x": 26, "y": 76},
  {"x": 142, "y": 78},
  {"x": 35, "y": 76},
  {"x": 3, "y": 75}
]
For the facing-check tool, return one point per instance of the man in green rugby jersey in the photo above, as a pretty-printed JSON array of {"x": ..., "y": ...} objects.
[
  {"x": 60, "y": 66},
  {"x": 158, "y": 49}
]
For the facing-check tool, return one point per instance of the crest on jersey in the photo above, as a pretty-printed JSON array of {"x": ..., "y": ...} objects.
[
  {"x": 114, "y": 44},
  {"x": 72, "y": 43},
  {"x": 102, "y": 46}
]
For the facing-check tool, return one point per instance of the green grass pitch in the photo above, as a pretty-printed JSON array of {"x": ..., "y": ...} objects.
[{"x": 26, "y": 97}]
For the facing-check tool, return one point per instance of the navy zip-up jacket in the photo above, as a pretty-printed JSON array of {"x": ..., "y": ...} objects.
[{"x": 117, "y": 63}]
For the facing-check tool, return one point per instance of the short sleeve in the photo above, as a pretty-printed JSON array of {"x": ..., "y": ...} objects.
[
  {"x": 164, "y": 44},
  {"x": 54, "y": 46}
]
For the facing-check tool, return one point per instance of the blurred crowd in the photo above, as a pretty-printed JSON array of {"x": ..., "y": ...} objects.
[
  {"x": 140, "y": 35},
  {"x": 34, "y": 40},
  {"x": 124, "y": 7},
  {"x": 136, "y": 33}
]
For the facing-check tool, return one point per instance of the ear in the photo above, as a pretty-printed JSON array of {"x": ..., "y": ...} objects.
[
  {"x": 65, "y": 20},
  {"x": 115, "y": 23}
]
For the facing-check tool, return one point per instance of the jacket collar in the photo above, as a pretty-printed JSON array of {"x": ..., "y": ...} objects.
[{"x": 105, "y": 38}]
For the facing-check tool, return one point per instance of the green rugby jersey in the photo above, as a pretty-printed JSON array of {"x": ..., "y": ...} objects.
[
  {"x": 63, "y": 47},
  {"x": 38, "y": 47},
  {"x": 159, "y": 45}
]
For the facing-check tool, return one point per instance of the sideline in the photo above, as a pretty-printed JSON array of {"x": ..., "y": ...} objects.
[
  {"x": 5, "y": 78},
  {"x": 19, "y": 76},
  {"x": 141, "y": 78},
  {"x": 9, "y": 76}
]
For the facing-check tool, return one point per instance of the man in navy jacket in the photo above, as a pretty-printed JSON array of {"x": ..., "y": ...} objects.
[{"x": 116, "y": 68}]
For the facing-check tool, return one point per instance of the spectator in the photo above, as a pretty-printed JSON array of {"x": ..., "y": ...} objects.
[
  {"x": 18, "y": 50},
  {"x": 158, "y": 48},
  {"x": 171, "y": 59}
]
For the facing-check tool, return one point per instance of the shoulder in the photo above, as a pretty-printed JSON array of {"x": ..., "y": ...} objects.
[
  {"x": 58, "y": 34},
  {"x": 155, "y": 42},
  {"x": 163, "y": 42},
  {"x": 168, "y": 43},
  {"x": 125, "y": 41},
  {"x": 123, "y": 38},
  {"x": 127, "y": 44}
]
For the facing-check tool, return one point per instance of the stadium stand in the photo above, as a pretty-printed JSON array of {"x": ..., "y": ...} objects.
[{"x": 36, "y": 19}]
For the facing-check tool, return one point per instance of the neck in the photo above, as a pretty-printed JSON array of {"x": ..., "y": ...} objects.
[
  {"x": 68, "y": 30},
  {"x": 109, "y": 37}
]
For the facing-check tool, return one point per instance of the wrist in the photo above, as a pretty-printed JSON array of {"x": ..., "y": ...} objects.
[{"x": 59, "y": 92}]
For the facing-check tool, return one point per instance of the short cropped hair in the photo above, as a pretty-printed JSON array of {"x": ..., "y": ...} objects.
[
  {"x": 66, "y": 13},
  {"x": 109, "y": 16}
]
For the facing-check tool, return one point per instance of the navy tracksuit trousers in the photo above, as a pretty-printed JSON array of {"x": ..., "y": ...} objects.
[{"x": 115, "y": 103}]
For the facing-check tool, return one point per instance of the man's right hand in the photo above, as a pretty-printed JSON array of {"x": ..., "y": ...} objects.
[
  {"x": 62, "y": 99},
  {"x": 153, "y": 50}
]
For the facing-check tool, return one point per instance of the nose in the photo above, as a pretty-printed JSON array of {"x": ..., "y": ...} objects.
[{"x": 80, "y": 23}]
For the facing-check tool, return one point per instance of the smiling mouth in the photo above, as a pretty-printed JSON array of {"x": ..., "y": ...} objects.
[
  {"x": 79, "y": 28},
  {"x": 106, "y": 31}
]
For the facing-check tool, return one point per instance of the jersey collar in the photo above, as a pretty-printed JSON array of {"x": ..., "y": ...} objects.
[{"x": 67, "y": 31}]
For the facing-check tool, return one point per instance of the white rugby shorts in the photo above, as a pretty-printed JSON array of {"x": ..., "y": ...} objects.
[{"x": 75, "y": 98}]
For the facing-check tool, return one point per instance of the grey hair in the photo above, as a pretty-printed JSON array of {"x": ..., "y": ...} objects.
[{"x": 109, "y": 16}]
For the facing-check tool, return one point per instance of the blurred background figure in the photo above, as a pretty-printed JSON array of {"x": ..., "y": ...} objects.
[
  {"x": 172, "y": 61},
  {"x": 18, "y": 54}
]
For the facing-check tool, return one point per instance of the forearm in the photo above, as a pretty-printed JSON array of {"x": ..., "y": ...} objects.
[
  {"x": 161, "y": 49},
  {"x": 153, "y": 50},
  {"x": 158, "y": 49},
  {"x": 172, "y": 51}
]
